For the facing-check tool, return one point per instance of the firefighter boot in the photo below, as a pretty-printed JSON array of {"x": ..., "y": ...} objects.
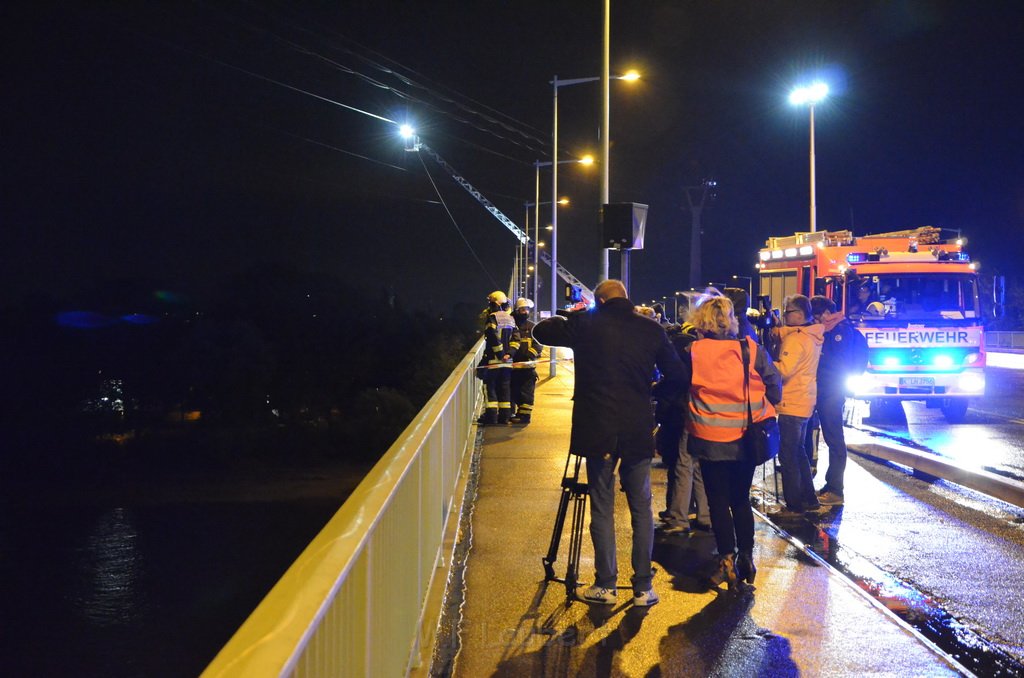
[
  {"x": 489, "y": 417},
  {"x": 504, "y": 415},
  {"x": 521, "y": 418}
]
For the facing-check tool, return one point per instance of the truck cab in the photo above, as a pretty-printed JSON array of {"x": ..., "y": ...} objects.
[{"x": 912, "y": 295}]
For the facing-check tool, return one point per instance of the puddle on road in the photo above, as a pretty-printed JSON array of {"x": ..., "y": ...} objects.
[{"x": 924, "y": 614}]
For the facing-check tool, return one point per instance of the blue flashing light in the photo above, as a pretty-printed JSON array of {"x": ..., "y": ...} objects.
[
  {"x": 84, "y": 320},
  {"x": 139, "y": 319},
  {"x": 891, "y": 361},
  {"x": 943, "y": 361},
  {"x": 959, "y": 256},
  {"x": 857, "y": 257}
]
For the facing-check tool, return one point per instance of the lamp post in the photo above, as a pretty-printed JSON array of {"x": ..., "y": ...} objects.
[
  {"x": 750, "y": 284},
  {"x": 810, "y": 95},
  {"x": 536, "y": 241},
  {"x": 537, "y": 164},
  {"x": 556, "y": 83}
]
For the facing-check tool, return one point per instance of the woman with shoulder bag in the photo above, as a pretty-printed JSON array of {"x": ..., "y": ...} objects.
[{"x": 719, "y": 395}]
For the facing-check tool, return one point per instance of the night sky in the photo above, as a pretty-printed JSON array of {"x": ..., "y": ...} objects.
[{"x": 174, "y": 145}]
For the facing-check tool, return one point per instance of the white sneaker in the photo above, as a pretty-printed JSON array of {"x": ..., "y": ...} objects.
[
  {"x": 646, "y": 599},
  {"x": 598, "y": 594}
]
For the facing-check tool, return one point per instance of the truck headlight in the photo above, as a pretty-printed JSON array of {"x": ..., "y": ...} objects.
[
  {"x": 971, "y": 382},
  {"x": 857, "y": 383}
]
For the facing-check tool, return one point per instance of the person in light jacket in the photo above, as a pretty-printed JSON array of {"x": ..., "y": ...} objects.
[{"x": 800, "y": 341}]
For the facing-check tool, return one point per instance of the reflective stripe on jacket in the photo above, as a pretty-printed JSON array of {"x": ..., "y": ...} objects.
[
  {"x": 718, "y": 404},
  {"x": 502, "y": 337}
]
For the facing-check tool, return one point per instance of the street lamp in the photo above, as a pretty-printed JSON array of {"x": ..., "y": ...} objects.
[
  {"x": 629, "y": 76},
  {"x": 810, "y": 95},
  {"x": 556, "y": 83},
  {"x": 750, "y": 284},
  {"x": 537, "y": 164}
]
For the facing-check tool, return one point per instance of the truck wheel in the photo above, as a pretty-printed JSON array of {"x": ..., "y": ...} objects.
[{"x": 955, "y": 409}]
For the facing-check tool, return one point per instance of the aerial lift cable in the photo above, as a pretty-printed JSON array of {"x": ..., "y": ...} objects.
[{"x": 456, "y": 223}]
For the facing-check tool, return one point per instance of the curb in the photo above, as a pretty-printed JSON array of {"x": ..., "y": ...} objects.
[{"x": 980, "y": 480}]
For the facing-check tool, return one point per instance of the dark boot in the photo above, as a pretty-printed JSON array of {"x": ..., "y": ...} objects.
[
  {"x": 504, "y": 414},
  {"x": 745, "y": 568},
  {"x": 726, "y": 572},
  {"x": 520, "y": 419},
  {"x": 489, "y": 417}
]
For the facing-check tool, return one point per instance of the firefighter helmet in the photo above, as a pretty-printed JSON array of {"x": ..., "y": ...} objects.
[
  {"x": 497, "y": 297},
  {"x": 523, "y": 302}
]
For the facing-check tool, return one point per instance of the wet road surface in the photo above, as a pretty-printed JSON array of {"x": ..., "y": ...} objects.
[{"x": 942, "y": 555}]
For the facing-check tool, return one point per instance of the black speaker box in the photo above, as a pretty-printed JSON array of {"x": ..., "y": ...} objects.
[{"x": 622, "y": 225}]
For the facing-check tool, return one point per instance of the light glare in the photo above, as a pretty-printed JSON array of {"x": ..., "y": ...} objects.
[
  {"x": 811, "y": 94},
  {"x": 406, "y": 131}
]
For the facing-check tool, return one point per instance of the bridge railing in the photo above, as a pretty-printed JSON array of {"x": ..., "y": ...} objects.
[
  {"x": 353, "y": 602},
  {"x": 1011, "y": 340}
]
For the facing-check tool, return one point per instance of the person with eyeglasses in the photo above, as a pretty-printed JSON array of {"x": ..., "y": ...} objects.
[{"x": 800, "y": 342}]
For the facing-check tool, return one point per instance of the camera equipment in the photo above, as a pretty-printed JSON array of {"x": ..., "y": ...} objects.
[
  {"x": 764, "y": 320},
  {"x": 574, "y": 490}
]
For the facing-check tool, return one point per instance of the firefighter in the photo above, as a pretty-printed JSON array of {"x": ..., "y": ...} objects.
[
  {"x": 502, "y": 342},
  {"x": 524, "y": 367}
]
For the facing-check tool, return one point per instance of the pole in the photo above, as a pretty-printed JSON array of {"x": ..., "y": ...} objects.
[
  {"x": 605, "y": 119},
  {"x": 536, "y": 240},
  {"x": 554, "y": 217},
  {"x": 695, "y": 259},
  {"x": 814, "y": 225},
  {"x": 525, "y": 265}
]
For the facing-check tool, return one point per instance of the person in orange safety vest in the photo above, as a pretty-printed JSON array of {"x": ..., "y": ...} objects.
[{"x": 716, "y": 421}]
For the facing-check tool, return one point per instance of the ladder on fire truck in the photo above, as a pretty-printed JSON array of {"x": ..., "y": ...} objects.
[{"x": 586, "y": 293}]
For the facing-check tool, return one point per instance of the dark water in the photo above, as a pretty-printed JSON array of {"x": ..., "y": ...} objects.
[{"x": 153, "y": 591}]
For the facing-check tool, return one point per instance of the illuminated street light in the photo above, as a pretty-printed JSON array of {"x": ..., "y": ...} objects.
[
  {"x": 407, "y": 131},
  {"x": 629, "y": 76},
  {"x": 810, "y": 95},
  {"x": 556, "y": 83},
  {"x": 750, "y": 284},
  {"x": 537, "y": 164}
]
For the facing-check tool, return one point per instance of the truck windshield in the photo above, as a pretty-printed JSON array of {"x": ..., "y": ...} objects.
[{"x": 919, "y": 296}]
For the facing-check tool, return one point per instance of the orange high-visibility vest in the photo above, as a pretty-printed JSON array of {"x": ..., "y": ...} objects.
[{"x": 718, "y": 405}]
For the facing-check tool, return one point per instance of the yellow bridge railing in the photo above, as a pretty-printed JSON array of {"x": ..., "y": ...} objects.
[{"x": 353, "y": 603}]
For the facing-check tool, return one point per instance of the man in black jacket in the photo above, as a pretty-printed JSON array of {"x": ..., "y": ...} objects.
[
  {"x": 616, "y": 351},
  {"x": 832, "y": 375}
]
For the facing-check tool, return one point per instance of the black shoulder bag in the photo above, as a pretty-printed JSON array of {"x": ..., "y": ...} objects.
[{"x": 760, "y": 439}]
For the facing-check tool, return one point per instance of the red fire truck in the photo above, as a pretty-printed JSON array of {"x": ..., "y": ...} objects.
[{"x": 913, "y": 295}]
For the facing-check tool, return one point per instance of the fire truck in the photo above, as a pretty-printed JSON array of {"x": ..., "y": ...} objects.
[{"x": 914, "y": 297}]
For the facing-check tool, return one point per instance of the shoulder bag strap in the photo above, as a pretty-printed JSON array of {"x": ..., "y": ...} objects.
[{"x": 745, "y": 351}]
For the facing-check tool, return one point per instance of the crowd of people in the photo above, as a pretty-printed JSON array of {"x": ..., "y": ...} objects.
[{"x": 702, "y": 382}]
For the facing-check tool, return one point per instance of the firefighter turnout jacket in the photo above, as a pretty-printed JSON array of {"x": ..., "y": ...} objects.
[
  {"x": 529, "y": 350},
  {"x": 502, "y": 337}
]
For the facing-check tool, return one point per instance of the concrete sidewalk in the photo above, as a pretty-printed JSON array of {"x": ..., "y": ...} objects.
[{"x": 802, "y": 618}]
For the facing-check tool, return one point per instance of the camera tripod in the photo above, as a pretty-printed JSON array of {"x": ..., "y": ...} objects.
[{"x": 575, "y": 491}]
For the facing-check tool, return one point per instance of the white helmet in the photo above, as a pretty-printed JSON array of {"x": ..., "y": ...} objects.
[
  {"x": 497, "y": 297},
  {"x": 523, "y": 302}
]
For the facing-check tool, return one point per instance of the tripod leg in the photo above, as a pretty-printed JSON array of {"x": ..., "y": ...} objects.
[
  {"x": 579, "y": 510},
  {"x": 568, "y": 483},
  {"x": 556, "y": 536}
]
